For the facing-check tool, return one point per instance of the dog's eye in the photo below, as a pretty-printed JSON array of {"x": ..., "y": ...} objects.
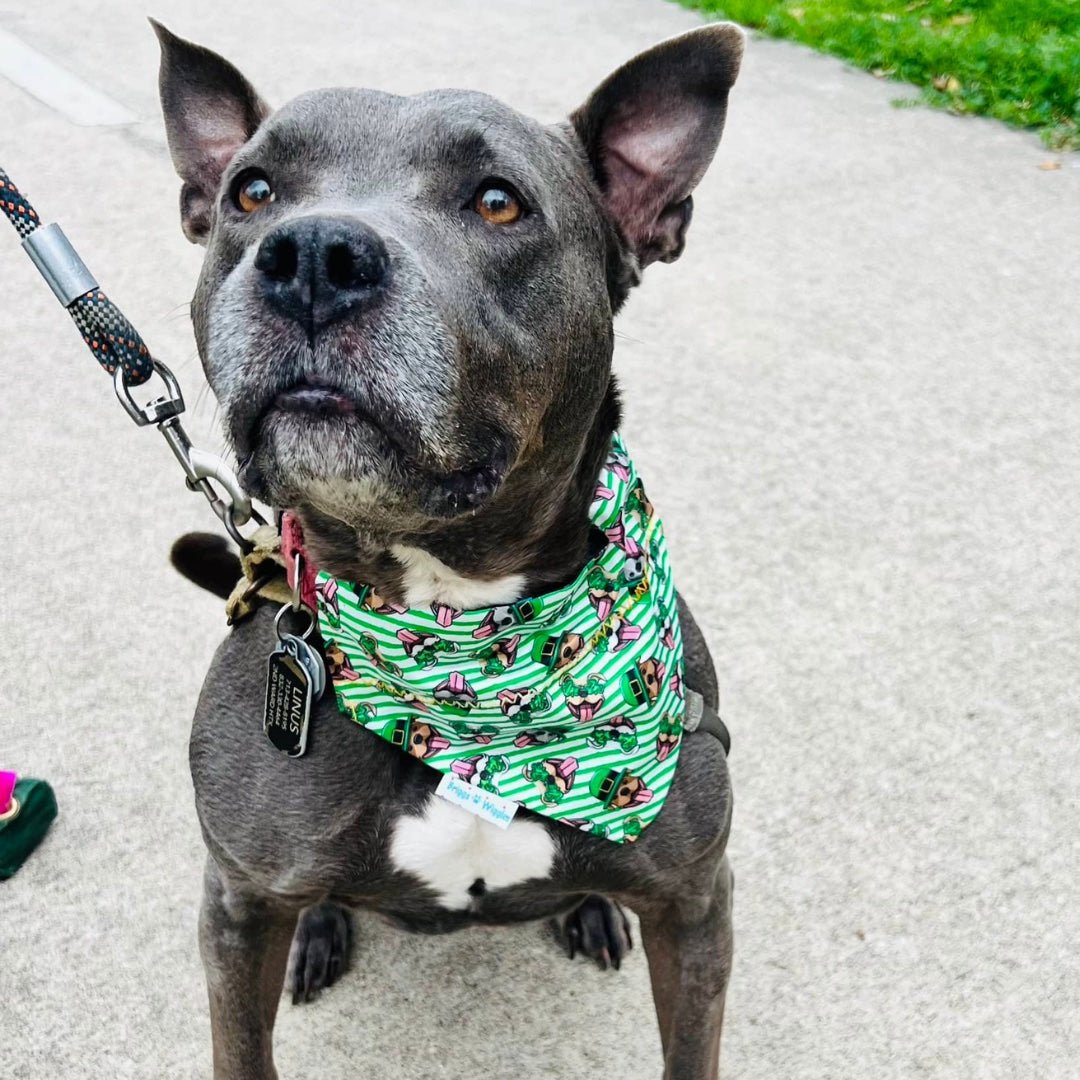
[
  {"x": 497, "y": 204},
  {"x": 252, "y": 191}
]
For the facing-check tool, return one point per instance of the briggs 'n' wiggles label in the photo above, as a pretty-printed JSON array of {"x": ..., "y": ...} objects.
[{"x": 484, "y": 804}]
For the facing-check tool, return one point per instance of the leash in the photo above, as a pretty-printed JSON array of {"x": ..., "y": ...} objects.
[
  {"x": 121, "y": 351},
  {"x": 296, "y": 673}
]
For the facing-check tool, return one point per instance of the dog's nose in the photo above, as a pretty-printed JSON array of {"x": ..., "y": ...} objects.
[{"x": 316, "y": 269}]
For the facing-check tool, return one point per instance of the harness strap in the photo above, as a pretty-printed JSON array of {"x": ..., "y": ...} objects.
[
  {"x": 698, "y": 718},
  {"x": 114, "y": 342}
]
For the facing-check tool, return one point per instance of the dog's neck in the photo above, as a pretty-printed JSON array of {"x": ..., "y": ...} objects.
[
  {"x": 427, "y": 580},
  {"x": 534, "y": 537}
]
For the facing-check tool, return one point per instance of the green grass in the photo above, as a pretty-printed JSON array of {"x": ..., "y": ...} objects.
[{"x": 1016, "y": 60}]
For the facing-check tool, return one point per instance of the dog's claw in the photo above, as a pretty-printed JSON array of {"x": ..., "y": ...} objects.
[
  {"x": 320, "y": 951},
  {"x": 599, "y": 929}
]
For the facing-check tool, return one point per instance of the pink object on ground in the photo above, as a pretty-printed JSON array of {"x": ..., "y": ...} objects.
[{"x": 7, "y": 787}]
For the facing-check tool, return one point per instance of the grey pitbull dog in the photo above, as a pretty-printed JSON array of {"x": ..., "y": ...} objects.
[{"x": 405, "y": 312}]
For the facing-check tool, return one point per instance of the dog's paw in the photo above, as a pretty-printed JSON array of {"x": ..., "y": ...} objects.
[
  {"x": 599, "y": 929},
  {"x": 320, "y": 950}
]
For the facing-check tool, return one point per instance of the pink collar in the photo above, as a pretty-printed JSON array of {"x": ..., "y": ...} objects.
[{"x": 295, "y": 554}]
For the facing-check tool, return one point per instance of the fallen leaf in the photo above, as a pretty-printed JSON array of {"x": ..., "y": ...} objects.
[
  {"x": 1049, "y": 166},
  {"x": 888, "y": 16},
  {"x": 796, "y": 12},
  {"x": 948, "y": 83},
  {"x": 926, "y": 22},
  {"x": 916, "y": 4},
  {"x": 861, "y": 935},
  {"x": 882, "y": 73},
  {"x": 962, "y": 20}
]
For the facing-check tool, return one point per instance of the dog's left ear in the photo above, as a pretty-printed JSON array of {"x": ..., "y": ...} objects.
[
  {"x": 651, "y": 129},
  {"x": 210, "y": 111}
]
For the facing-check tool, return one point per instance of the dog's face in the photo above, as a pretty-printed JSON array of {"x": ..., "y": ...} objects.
[
  {"x": 405, "y": 299},
  {"x": 631, "y": 791},
  {"x": 424, "y": 740},
  {"x": 569, "y": 650},
  {"x": 336, "y": 660}
]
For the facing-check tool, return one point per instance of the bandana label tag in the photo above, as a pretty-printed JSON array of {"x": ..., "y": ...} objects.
[{"x": 474, "y": 799}]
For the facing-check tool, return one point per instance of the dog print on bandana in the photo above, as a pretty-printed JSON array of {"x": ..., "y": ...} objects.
[{"x": 569, "y": 703}]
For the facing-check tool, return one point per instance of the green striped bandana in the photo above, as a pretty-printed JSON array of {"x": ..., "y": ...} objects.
[{"x": 569, "y": 703}]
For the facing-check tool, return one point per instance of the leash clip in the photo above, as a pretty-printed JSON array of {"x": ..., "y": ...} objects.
[
  {"x": 118, "y": 348},
  {"x": 201, "y": 469},
  {"x": 159, "y": 409}
]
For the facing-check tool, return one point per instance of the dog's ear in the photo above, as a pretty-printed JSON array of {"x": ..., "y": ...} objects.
[
  {"x": 210, "y": 111},
  {"x": 651, "y": 129}
]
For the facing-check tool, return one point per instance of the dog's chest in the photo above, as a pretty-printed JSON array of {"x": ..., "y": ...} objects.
[{"x": 462, "y": 857}]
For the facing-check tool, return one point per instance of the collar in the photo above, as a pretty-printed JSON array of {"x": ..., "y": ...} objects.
[{"x": 569, "y": 703}]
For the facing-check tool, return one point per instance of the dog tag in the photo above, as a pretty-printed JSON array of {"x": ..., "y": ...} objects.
[{"x": 295, "y": 677}]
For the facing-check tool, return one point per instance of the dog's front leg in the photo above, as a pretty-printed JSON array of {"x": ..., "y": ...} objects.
[
  {"x": 244, "y": 941},
  {"x": 688, "y": 942}
]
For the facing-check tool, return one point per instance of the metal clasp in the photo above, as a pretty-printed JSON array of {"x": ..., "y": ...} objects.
[
  {"x": 160, "y": 409},
  {"x": 201, "y": 469}
]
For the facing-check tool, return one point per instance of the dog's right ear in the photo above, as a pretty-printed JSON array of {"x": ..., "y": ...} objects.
[{"x": 210, "y": 111}]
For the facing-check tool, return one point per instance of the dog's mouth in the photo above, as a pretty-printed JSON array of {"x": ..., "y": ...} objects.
[
  {"x": 325, "y": 410},
  {"x": 314, "y": 399},
  {"x": 319, "y": 399}
]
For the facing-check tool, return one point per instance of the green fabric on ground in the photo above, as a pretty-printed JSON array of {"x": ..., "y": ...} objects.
[{"x": 22, "y": 833}]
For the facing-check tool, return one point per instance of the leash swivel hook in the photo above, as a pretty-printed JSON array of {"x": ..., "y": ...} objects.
[
  {"x": 117, "y": 346},
  {"x": 202, "y": 469}
]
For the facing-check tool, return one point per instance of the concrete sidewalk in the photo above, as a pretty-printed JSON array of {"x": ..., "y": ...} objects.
[{"x": 856, "y": 402}]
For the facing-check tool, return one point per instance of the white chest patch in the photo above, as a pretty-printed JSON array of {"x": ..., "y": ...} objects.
[
  {"x": 449, "y": 849},
  {"x": 428, "y": 580}
]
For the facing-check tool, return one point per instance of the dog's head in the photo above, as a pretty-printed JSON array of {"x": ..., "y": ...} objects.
[
  {"x": 424, "y": 740},
  {"x": 570, "y": 648},
  {"x": 630, "y": 792},
  {"x": 652, "y": 672},
  {"x": 407, "y": 300}
]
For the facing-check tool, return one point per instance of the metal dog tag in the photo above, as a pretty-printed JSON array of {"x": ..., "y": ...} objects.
[{"x": 295, "y": 677}]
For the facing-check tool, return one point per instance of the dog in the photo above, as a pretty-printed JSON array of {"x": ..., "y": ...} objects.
[{"x": 405, "y": 312}]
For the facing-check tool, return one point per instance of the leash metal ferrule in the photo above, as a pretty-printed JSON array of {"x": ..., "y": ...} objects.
[{"x": 59, "y": 263}]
